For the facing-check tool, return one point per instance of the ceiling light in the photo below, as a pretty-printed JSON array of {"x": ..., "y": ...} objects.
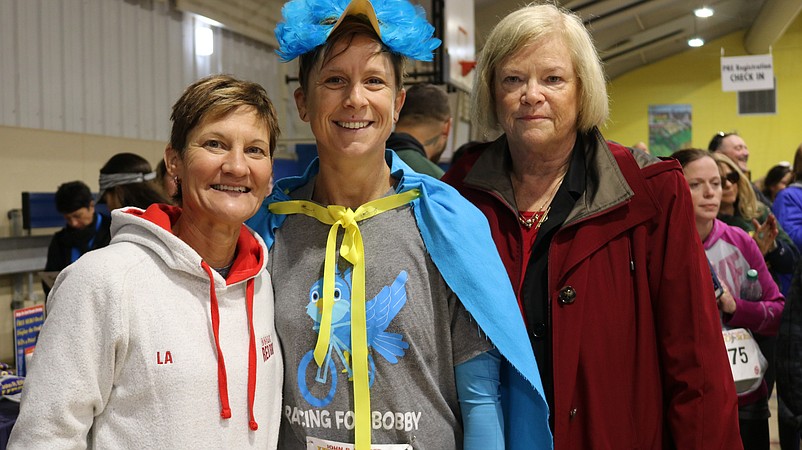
[
  {"x": 703, "y": 12},
  {"x": 207, "y": 21},
  {"x": 204, "y": 41},
  {"x": 696, "y": 42}
]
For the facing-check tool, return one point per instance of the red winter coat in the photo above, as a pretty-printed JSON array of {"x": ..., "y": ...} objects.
[{"x": 639, "y": 360}]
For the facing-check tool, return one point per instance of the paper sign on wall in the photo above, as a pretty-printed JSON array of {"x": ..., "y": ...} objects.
[
  {"x": 747, "y": 73},
  {"x": 27, "y": 323}
]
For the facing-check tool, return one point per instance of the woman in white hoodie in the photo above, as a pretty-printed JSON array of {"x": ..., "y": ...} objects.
[{"x": 165, "y": 338}]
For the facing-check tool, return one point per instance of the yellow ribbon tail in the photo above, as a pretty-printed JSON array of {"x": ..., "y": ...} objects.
[
  {"x": 359, "y": 345},
  {"x": 324, "y": 334},
  {"x": 352, "y": 250}
]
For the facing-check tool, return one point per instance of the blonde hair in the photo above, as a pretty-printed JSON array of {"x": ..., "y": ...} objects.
[
  {"x": 745, "y": 201},
  {"x": 525, "y": 27}
]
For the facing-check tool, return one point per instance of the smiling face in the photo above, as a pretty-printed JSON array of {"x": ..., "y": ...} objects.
[
  {"x": 735, "y": 147},
  {"x": 536, "y": 93},
  {"x": 704, "y": 180},
  {"x": 225, "y": 171},
  {"x": 351, "y": 100}
]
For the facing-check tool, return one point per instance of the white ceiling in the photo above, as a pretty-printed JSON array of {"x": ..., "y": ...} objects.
[
  {"x": 633, "y": 33},
  {"x": 628, "y": 33}
]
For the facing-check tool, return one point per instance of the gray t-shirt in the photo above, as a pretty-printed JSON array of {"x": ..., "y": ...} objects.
[{"x": 426, "y": 332}]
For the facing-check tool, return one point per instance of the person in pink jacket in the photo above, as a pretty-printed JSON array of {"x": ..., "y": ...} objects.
[{"x": 732, "y": 252}]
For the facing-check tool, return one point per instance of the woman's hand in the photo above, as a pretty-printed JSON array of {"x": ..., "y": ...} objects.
[
  {"x": 765, "y": 234},
  {"x": 726, "y": 303}
]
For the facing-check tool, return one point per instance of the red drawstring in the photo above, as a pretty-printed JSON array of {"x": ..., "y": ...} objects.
[
  {"x": 222, "y": 379},
  {"x": 251, "y": 356}
]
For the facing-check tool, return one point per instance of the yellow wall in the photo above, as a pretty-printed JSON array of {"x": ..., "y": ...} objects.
[{"x": 694, "y": 78}]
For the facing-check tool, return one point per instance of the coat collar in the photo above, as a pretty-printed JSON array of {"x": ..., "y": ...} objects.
[
  {"x": 611, "y": 180},
  {"x": 491, "y": 173},
  {"x": 599, "y": 194}
]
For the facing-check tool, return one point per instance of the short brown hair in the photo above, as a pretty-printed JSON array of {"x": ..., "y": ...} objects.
[
  {"x": 350, "y": 27},
  {"x": 425, "y": 102},
  {"x": 686, "y": 156},
  {"x": 216, "y": 96}
]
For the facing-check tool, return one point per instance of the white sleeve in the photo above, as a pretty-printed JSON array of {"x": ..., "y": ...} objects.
[{"x": 72, "y": 370}]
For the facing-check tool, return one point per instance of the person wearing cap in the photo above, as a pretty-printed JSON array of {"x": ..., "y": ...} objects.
[
  {"x": 165, "y": 338},
  {"x": 402, "y": 330},
  {"x": 421, "y": 134},
  {"x": 127, "y": 179},
  {"x": 85, "y": 228}
]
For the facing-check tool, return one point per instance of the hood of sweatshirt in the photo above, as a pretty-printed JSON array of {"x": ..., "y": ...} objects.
[
  {"x": 718, "y": 229},
  {"x": 152, "y": 228}
]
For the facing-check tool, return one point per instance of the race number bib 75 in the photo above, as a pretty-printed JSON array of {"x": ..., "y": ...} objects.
[{"x": 746, "y": 360}]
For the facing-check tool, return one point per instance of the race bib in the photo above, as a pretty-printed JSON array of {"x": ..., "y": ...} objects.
[
  {"x": 746, "y": 360},
  {"x": 322, "y": 444}
]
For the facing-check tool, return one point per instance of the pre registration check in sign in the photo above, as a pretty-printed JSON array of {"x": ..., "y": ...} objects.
[{"x": 747, "y": 73}]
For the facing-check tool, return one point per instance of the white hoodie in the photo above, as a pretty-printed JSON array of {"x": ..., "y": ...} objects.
[{"x": 128, "y": 358}]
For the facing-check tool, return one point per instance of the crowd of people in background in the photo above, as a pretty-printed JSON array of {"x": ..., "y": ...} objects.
[
  {"x": 615, "y": 276},
  {"x": 744, "y": 224}
]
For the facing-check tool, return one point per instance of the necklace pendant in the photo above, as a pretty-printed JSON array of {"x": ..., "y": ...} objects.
[
  {"x": 526, "y": 222},
  {"x": 537, "y": 218},
  {"x": 544, "y": 216}
]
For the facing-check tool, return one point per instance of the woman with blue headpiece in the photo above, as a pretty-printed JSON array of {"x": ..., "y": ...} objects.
[{"x": 400, "y": 331}]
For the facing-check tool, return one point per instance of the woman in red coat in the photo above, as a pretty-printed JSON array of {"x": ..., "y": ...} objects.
[{"x": 600, "y": 244}]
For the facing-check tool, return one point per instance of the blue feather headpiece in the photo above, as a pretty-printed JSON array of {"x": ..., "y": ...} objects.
[{"x": 401, "y": 26}]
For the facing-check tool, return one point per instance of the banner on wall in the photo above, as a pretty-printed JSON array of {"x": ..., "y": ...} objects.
[
  {"x": 669, "y": 128},
  {"x": 747, "y": 73},
  {"x": 27, "y": 323}
]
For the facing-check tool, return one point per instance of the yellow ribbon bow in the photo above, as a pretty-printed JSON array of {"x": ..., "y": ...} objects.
[{"x": 354, "y": 252}]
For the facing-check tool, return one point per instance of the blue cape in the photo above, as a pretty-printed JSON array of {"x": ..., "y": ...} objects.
[{"x": 457, "y": 236}]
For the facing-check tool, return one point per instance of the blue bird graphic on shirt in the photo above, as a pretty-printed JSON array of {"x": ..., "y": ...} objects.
[{"x": 380, "y": 311}]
